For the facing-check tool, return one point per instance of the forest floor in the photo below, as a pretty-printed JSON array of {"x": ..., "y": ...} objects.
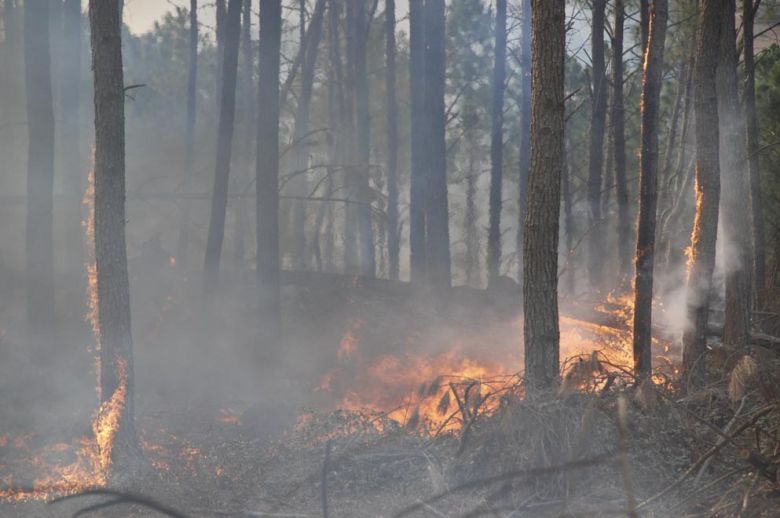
[{"x": 360, "y": 419}]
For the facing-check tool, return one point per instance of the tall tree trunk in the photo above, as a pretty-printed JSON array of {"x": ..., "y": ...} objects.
[
  {"x": 619, "y": 131},
  {"x": 40, "y": 174},
  {"x": 540, "y": 252},
  {"x": 644, "y": 23},
  {"x": 363, "y": 141},
  {"x": 524, "y": 154},
  {"x": 268, "y": 267},
  {"x": 351, "y": 171},
  {"x": 220, "y": 33},
  {"x": 756, "y": 204},
  {"x": 596, "y": 154},
  {"x": 648, "y": 189},
  {"x": 70, "y": 135},
  {"x": 249, "y": 120},
  {"x": 437, "y": 211},
  {"x": 735, "y": 185},
  {"x": 705, "y": 226},
  {"x": 394, "y": 231},
  {"x": 497, "y": 144},
  {"x": 336, "y": 117},
  {"x": 417, "y": 196},
  {"x": 300, "y": 185},
  {"x": 189, "y": 134},
  {"x": 113, "y": 294},
  {"x": 227, "y": 112}
]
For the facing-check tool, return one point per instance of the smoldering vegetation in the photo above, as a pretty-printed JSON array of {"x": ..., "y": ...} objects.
[{"x": 384, "y": 394}]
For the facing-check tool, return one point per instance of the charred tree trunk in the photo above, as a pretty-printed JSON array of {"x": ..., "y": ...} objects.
[
  {"x": 735, "y": 185},
  {"x": 189, "y": 133},
  {"x": 268, "y": 267},
  {"x": 497, "y": 144},
  {"x": 619, "y": 132},
  {"x": 648, "y": 189},
  {"x": 417, "y": 197},
  {"x": 524, "y": 153},
  {"x": 540, "y": 252},
  {"x": 113, "y": 295},
  {"x": 227, "y": 114},
  {"x": 70, "y": 135},
  {"x": 705, "y": 227},
  {"x": 437, "y": 211},
  {"x": 40, "y": 174},
  {"x": 756, "y": 204},
  {"x": 644, "y": 23},
  {"x": 363, "y": 141},
  {"x": 596, "y": 154},
  {"x": 394, "y": 230}
]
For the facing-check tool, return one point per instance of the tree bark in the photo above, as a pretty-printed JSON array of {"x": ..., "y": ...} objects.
[
  {"x": 619, "y": 131},
  {"x": 40, "y": 175},
  {"x": 437, "y": 211},
  {"x": 227, "y": 112},
  {"x": 394, "y": 231},
  {"x": 756, "y": 204},
  {"x": 540, "y": 252},
  {"x": 733, "y": 158},
  {"x": 113, "y": 295},
  {"x": 497, "y": 144},
  {"x": 182, "y": 247},
  {"x": 417, "y": 196},
  {"x": 596, "y": 153},
  {"x": 525, "y": 129},
  {"x": 702, "y": 255},
  {"x": 268, "y": 267},
  {"x": 70, "y": 134},
  {"x": 648, "y": 190}
]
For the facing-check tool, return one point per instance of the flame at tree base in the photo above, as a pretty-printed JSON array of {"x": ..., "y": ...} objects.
[{"x": 91, "y": 456}]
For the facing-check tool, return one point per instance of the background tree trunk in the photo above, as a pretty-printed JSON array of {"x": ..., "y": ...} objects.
[
  {"x": 497, "y": 144},
  {"x": 705, "y": 226},
  {"x": 189, "y": 134},
  {"x": 525, "y": 129},
  {"x": 756, "y": 204},
  {"x": 540, "y": 252},
  {"x": 648, "y": 189},
  {"x": 113, "y": 310},
  {"x": 300, "y": 184},
  {"x": 437, "y": 210},
  {"x": 248, "y": 111},
  {"x": 363, "y": 141},
  {"x": 735, "y": 192},
  {"x": 227, "y": 112},
  {"x": 417, "y": 196},
  {"x": 619, "y": 132},
  {"x": 596, "y": 154},
  {"x": 40, "y": 175},
  {"x": 221, "y": 20},
  {"x": 394, "y": 230},
  {"x": 268, "y": 283},
  {"x": 70, "y": 134}
]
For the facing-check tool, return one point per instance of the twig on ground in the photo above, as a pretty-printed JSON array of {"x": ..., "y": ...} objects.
[{"x": 121, "y": 498}]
